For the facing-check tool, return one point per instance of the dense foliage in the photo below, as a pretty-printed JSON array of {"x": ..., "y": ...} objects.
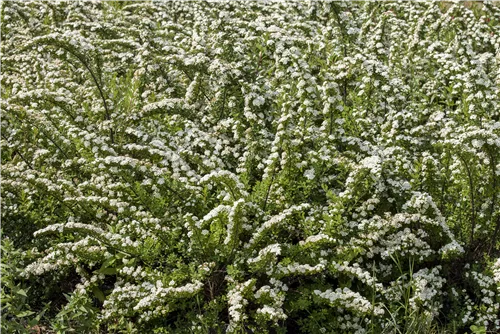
[{"x": 244, "y": 167}]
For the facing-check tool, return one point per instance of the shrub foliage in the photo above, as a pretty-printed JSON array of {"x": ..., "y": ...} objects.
[{"x": 242, "y": 167}]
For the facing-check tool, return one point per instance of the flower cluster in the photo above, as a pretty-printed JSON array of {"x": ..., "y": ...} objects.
[{"x": 302, "y": 166}]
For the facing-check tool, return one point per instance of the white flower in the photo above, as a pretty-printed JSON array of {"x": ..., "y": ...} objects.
[
  {"x": 259, "y": 101},
  {"x": 309, "y": 174}
]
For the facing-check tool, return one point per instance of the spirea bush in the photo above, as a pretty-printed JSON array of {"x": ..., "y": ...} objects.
[{"x": 250, "y": 167}]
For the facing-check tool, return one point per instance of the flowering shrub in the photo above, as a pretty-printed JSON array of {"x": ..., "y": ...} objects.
[{"x": 201, "y": 167}]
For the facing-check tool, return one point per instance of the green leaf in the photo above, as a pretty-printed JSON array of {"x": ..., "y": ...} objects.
[
  {"x": 108, "y": 271},
  {"x": 24, "y": 314},
  {"x": 478, "y": 330},
  {"x": 22, "y": 292},
  {"x": 98, "y": 293}
]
